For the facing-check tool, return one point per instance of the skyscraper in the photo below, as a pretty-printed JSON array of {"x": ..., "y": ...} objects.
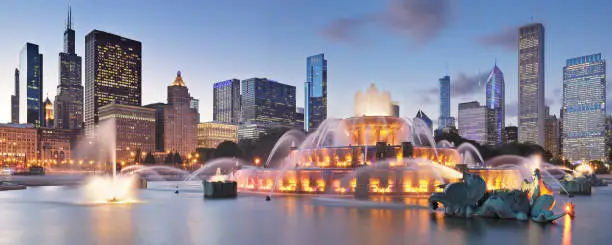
[
  {"x": 315, "y": 88},
  {"x": 472, "y": 121},
  {"x": 496, "y": 105},
  {"x": 551, "y": 135},
  {"x": 15, "y": 100},
  {"x": 268, "y": 102},
  {"x": 531, "y": 84},
  {"x": 226, "y": 101},
  {"x": 180, "y": 119},
  {"x": 584, "y": 108},
  {"x": 69, "y": 98},
  {"x": 113, "y": 73},
  {"x": 49, "y": 116},
  {"x": 31, "y": 85},
  {"x": 445, "y": 120},
  {"x": 511, "y": 135}
]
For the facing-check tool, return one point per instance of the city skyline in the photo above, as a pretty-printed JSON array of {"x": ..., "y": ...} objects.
[{"x": 395, "y": 62}]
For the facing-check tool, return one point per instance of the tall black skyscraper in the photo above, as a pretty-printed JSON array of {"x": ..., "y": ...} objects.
[
  {"x": 15, "y": 100},
  {"x": 69, "y": 99},
  {"x": 113, "y": 73},
  {"x": 267, "y": 102},
  {"x": 31, "y": 85}
]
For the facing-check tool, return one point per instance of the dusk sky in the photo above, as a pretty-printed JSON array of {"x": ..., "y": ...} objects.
[{"x": 403, "y": 46}]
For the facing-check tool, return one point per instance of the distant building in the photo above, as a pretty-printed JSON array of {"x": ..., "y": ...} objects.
[
  {"x": 609, "y": 138},
  {"x": 180, "y": 119},
  {"x": 496, "y": 107},
  {"x": 15, "y": 100},
  {"x": 395, "y": 109},
  {"x": 55, "y": 145},
  {"x": 211, "y": 134},
  {"x": 49, "y": 116},
  {"x": 551, "y": 135},
  {"x": 472, "y": 121},
  {"x": 113, "y": 74},
  {"x": 69, "y": 99},
  {"x": 250, "y": 130},
  {"x": 159, "y": 125},
  {"x": 135, "y": 128},
  {"x": 511, "y": 135},
  {"x": 31, "y": 85},
  {"x": 531, "y": 83},
  {"x": 584, "y": 108},
  {"x": 421, "y": 115},
  {"x": 226, "y": 101},
  {"x": 298, "y": 118},
  {"x": 267, "y": 102},
  {"x": 315, "y": 106},
  {"x": 445, "y": 120},
  {"x": 19, "y": 144}
]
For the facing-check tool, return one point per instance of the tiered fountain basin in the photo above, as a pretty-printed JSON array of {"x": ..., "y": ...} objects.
[{"x": 375, "y": 159}]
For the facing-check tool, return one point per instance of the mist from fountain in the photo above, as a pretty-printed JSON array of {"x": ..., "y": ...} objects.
[
  {"x": 526, "y": 166},
  {"x": 468, "y": 148}
]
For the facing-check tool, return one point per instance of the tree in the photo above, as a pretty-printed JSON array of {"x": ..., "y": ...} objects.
[
  {"x": 247, "y": 146},
  {"x": 228, "y": 149},
  {"x": 205, "y": 154},
  {"x": 169, "y": 158},
  {"x": 149, "y": 159},
  {"x": 177, "y": 158},
  {"x": 137, "y": 156}
]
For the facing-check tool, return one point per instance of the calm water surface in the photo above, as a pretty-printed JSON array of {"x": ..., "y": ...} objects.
[{"x": 59, "y": 215}]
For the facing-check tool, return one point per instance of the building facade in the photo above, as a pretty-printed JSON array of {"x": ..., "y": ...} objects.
[
  {"x": 584, "y": 108},
  {"x": 113, "y": 73},
  {"x": 445, "y": 120},
  {"x": 511, "y": 135},
  {"x": 159, "y": 125},
  {"x": 496, "y": 117},
  {"x": 551, "y": 135},
  {"x": 180, "y": 119},
  {"x": 250, "y": 130},
  {"x": 31, "y": 85},
  {"x": 69, "y": 98},
  {"x": 395, "y": 109},
  {"x": 531, "y": 84},
  {"x": 49, "y": 117},
  {"x": 211, "y": 134},
  {"x": 267, "y": 102},
  {"x": 315, "y": 88},
  {"x": 226, "y": 101},
  {"x": 15, "y": 100},
  {"x": 134, "y": 129},
  {"x": 18, "y": 145},
  {"x": 472, "y": 121},
  {"x": 55, "y": 145}
]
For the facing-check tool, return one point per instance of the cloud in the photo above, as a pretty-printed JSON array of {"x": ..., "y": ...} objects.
[
  {"x": 506, "y": 39},
  {"x": 421, "y": 20},
  {"x": 464, "y": 84}
]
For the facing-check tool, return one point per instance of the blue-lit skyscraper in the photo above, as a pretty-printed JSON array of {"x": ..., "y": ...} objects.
[
  {"x": 267, "y": 102},
  {"x": 445, "y": 120},
  {"x": 31, "y": 85},
  {"x": 315, "y": 88},
  {"x": 226, "y": 101},
  {"x": 584, "y": 108},
  {"x": 495, "y": 103}
]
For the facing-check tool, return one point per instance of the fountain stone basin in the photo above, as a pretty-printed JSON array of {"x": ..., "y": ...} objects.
[{"x": 220, "y": 189}]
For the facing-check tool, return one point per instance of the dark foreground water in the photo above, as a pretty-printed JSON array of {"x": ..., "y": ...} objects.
[{"x": 58, "y": 215}]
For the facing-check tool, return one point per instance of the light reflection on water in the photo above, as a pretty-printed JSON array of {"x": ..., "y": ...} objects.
[{"x": 49, "y": 215}]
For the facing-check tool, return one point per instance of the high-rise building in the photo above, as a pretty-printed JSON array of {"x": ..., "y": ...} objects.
[
  {"x": 472, "y": 121},
  {"x": 315, "y": 88},
  {"x": 31, "y": 85},
  {"x": 268, "y": 102},
  {"x": 251, "y": 130},
  {"x": 551, "y": 135},
  {"x": 211, "y": 134},
  {"x": 226, "y": 101},
  {"x": 511, "y": 135},
  {"x": 159, "y": 125},
  {"x": 496, "y": 104},
  {"x": 584, "y": 108},
  {"x": 421, "y": 115},
  {"x": 180, "y": 119},
  {"x": 395, "y": 109},
  {"x": 608, "y": 138},
  {"x": 445, "y": 120},
  {"x": 135, "y": 129},
  {"x": 531, "y": 83},
  {"x": 113, "y": 73},
  {"x": 15, "y": 100},
  {"x": 49, "y": 116},
  {"x": 69, "y": 98}
]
